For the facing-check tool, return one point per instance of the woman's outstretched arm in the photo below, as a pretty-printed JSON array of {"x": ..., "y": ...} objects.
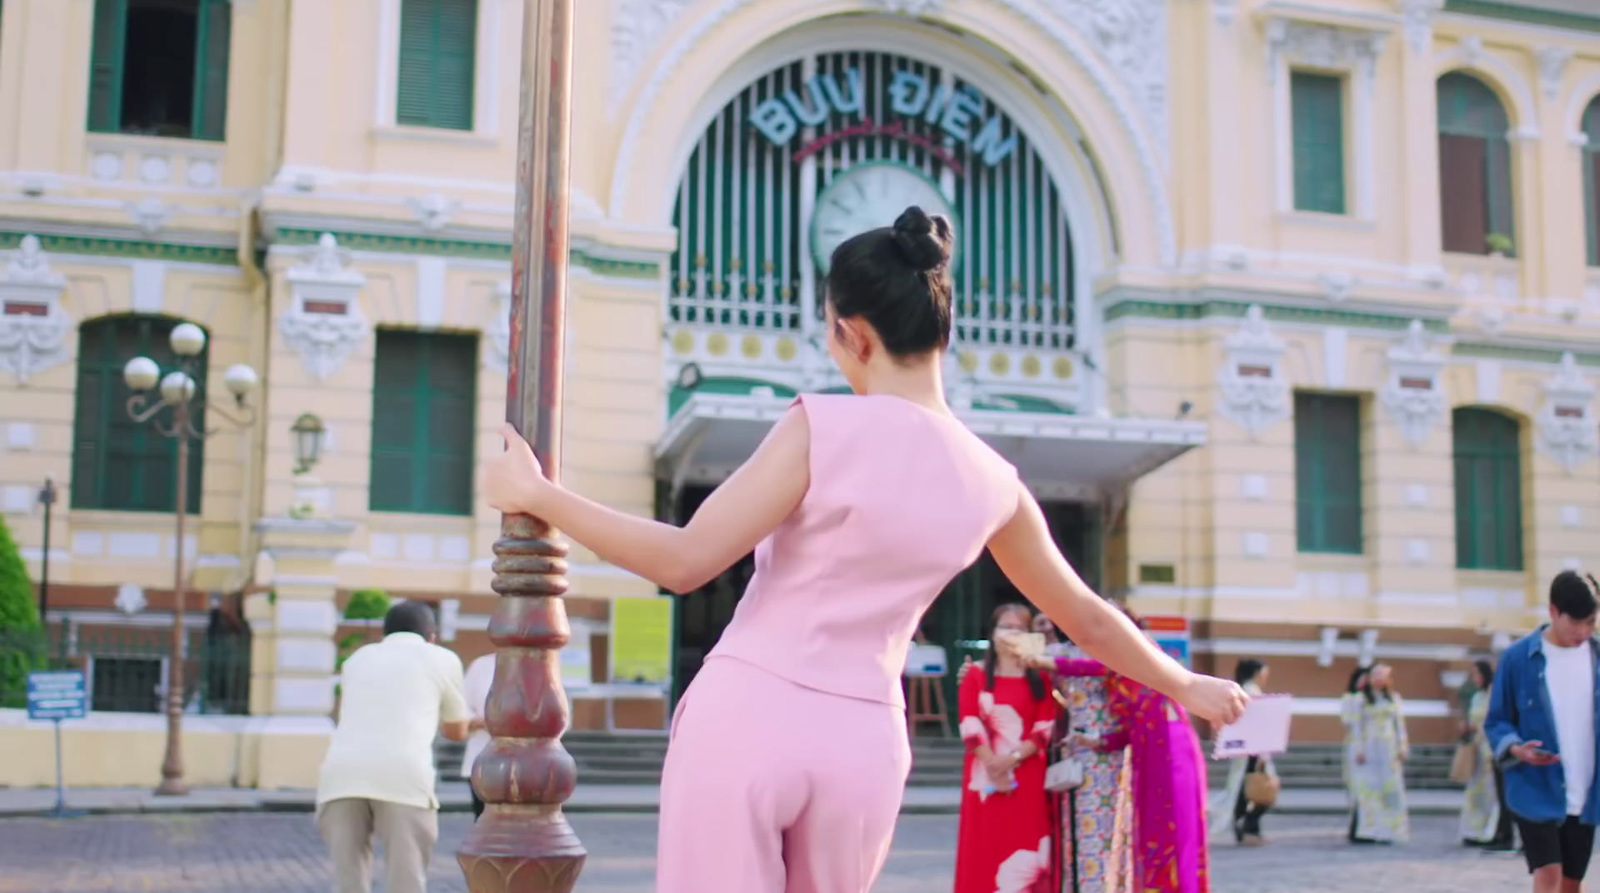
[
  {"x": 1028, "y": 555},
  {"x": 733, "y": 519}
]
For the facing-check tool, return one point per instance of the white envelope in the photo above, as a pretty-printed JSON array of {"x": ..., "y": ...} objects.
[{"x": 1262, "y": 730}]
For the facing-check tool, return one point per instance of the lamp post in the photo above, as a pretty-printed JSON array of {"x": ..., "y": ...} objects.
[
  {"x": 308, "y": 432},
  {"x": 47, "y": 498},
  {"x": 523, "y": 843},
  {"x": 176, "y": 394}
]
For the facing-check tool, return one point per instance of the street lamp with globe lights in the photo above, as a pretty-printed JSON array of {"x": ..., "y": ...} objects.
[{"x": 170, "y": 410}]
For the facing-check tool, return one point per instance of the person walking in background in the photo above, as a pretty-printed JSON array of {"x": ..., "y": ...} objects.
[
  {"x": 1485, "y": 822},
  {"x": 377, "y": 780},
  {"x": 1543, "y": 725},
  {"x": 1232, "y": 812},
  {"x": 1007, "y": 716},
  {"x": 1380, "y": 750},
  {"x": 1167, "y": 787},
  {"x": 480, "y": 676}
]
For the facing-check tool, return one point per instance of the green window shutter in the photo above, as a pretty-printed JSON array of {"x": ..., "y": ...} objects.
[
  {"x": 423, "y": 417},
  {"x": 118, "y": 463},
  {"x": 105, "y": 65},
  {"x": 1488, "y": 478},
  {"x": 438, "y": 60},
  {"x": 212, "y": 42},
  {"x": 1328, "y": 473},
  {"x": 1317, "y": 113}
]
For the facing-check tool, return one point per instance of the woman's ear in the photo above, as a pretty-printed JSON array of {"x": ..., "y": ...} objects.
[{"x": 853, "y": 335}]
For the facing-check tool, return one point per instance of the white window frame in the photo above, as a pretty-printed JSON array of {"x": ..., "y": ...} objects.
[
  {"x": 485, "y": 77},
  {"x": 1336, "y": 50}
]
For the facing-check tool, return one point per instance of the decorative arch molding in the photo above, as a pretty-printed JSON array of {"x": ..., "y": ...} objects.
[
  {"x": 1471, "y": 57},
  {"x": 1134, "y": 193},
  {"x": 1588, "y": 90}
]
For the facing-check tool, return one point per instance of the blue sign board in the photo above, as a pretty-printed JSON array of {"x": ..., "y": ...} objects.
[{"x": 57, "y": 694}]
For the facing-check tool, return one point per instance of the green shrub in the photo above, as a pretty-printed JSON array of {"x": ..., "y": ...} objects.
[
  {"x": 367, "y": 604},
  {"x": 22, "y": 639}
]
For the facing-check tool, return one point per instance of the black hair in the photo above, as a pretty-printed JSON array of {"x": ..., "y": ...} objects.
[
  {"x": 898, "y": 279},
  {"x": 409, "y": 617},
  {"x": 1247, "y": 669},
  {"x": 1485, "y": 672},
  {"x": 1035, "y": 681},
  {"x": 1573, "y": 594},
  {"x": 1356, "y": 680},
  {"x": 1366, "y": 686}
]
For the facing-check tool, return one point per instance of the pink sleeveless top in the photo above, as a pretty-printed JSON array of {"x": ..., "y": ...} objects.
[{"x": 901, "y": 500}]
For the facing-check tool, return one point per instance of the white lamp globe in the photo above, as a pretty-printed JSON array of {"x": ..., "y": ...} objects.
[
  {"x": 188, "y": 339},
  {"x": 176, "y": 388},
  {"x": 241, "y": 380},
  {"x": 141, "y": 374}
]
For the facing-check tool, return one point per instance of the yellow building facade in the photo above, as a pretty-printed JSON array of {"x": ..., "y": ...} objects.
[{"x": 1289, "y": 311}]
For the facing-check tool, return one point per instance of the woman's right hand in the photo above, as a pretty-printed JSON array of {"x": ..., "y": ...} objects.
[
  {"x": 1040, "y": 662},
  {"x": 1078, "y": 739},
  {"x": 513, "y": 482},
  {"x": 1217, "y": 701}
]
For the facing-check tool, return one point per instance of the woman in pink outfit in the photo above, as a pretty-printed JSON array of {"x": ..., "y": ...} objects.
[{"x": 789, "y": 755}]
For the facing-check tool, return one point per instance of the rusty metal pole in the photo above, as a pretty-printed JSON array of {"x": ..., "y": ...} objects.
[{"x": 523, "y": 843}]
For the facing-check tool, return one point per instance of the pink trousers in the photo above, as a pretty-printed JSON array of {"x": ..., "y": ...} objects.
[{"x": 770, "y": 787}]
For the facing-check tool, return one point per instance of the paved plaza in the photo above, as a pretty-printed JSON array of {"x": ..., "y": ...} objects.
[{"x": 281, "y": 853}]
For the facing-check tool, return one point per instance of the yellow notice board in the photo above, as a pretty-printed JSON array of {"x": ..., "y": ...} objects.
[{"x": 641, "y": 640}]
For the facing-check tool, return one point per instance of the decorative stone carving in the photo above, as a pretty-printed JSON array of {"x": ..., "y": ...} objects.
[
  {"x": 1224, "y": 11},
  {"x": 1337, "y": 286},
  {"x": 150, "y": 215},
  {"x": 1419, "y": 15},
  {"x": 130, "y": 598},
  {"x": 1552, "y": 65},
  {"x": 1414, "y": 393},
  {"x": 497, "y": 340},
  {"x": 911, "y": 7},
  {"x": 324, "y": 323},
  {"x": 1567, "y": 429},
  {"x": 433, "y": 212},
  {"x": 1323, "y": 46},
  {"x": 636, "y": 25},
  {"x": 1471, "y": 49},
  {"x": 1254, "y": 391},
  {"x": 33, "y": 327}
]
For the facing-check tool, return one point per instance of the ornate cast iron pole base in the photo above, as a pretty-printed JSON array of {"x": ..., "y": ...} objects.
[{"x": 523, "y": 843}]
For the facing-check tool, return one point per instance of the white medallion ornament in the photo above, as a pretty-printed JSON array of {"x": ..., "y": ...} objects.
[
  {"x": 1414, "y": 393},
  {"x": 497, "y": 334},
  {"x": 1255, "y": 393},
  {"x": 324, "y": 323},
  {"x": 33, "y": 327},
  {"x": 1567, "y": 429}
]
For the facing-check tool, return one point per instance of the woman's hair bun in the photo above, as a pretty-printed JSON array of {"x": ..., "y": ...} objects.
[{"x": 924, "y": 241}]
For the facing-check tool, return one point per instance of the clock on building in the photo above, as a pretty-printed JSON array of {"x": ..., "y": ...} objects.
[{"x": 868, "y": 196}]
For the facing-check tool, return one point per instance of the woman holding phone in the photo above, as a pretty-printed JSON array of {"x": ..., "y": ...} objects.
[
  {"x": 1007, "y": 716},
  {"x": 789, "y": 752}
]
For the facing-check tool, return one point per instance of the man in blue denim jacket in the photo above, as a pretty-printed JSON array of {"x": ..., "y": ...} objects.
[{"x": 1542, "y": 725}]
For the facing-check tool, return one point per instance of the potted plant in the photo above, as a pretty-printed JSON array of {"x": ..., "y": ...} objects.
[
  {"x": 22, "y": 639},
  {"x": 1499, "y": 244}
]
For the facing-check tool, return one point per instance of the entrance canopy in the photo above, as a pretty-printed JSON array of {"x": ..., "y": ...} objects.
[{"x": 1059, "y": 456}]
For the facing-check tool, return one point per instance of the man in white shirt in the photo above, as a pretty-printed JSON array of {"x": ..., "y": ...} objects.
[
  {"x": 378, "y": 776},
  {"x": 480, "y": 675}
]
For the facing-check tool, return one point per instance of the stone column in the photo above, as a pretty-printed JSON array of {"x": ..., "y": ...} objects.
[
  {"x": 293, "y": 649},
  {"x": 1419, "y": 96}
]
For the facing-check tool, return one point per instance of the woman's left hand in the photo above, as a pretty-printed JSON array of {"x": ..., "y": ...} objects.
[
  {"x": 513, "y": 481},
  {"x": 1040, "y": 662},
  {"x": 1078, "y": 739}
]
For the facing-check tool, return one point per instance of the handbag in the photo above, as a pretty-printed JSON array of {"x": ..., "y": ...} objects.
[
  {"x": 1261, "y": 789},
  {"x": 1064, "y": 775},
  {"x": 1465, "y": 763}
]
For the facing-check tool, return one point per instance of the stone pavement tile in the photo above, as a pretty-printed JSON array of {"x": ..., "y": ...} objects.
[{"x": 281, "y": 853}]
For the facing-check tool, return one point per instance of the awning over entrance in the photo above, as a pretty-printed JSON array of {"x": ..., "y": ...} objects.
[{"x": 1060, "y": 456}]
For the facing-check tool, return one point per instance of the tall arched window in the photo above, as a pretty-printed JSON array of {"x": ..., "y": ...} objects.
[
  {"x": 1488, "y": 459},
  {"x": 1591, "y": 178},
  {"x": 117, "y": 463},
  {"x": 1474, "y": 167}
]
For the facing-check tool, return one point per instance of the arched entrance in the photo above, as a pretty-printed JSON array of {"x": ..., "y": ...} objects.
[{"x": 813, "y": 147}]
